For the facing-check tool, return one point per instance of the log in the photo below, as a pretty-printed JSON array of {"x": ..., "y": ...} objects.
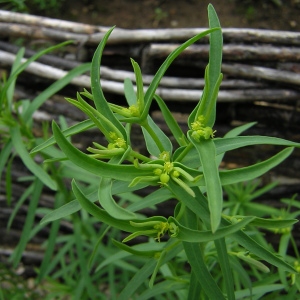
[
  {"x": 14, "y": 17},
  {"x": 40, "y": 33},
  {"x": 114, "y": 87},
  {"x": 94, "y": 34},
  {"x": 232, "y": 52},
  {"x": 46, "y": 59},
  {"x": 269, "y": 74},
  {"x": 120, "y": 75}
]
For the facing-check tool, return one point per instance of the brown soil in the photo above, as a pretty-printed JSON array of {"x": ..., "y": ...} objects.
[{"x": 186, "y": 13}]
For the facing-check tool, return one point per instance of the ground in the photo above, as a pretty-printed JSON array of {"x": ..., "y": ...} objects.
[{"x": 264, "y": 14}]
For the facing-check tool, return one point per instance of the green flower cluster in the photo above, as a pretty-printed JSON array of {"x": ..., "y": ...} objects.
[{"x": 199, "y": 130}]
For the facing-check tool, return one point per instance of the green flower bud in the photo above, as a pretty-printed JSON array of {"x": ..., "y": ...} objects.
[
  {"x": 168, "y": 167},
  {"x": 164, "y": 178},
  {"x": 157, "y": 172}
]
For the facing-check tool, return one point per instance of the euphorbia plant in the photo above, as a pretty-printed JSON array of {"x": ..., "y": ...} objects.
[{"x": 190, "y": 174}]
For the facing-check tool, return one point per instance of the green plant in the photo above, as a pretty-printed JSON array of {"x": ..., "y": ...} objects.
[
  {"x": 211, "y": 247},
  {"x": 44, "y": 5},
  {"x": 53, "y": 6},
  {"x": 220, "y": 248},
  {"x": 159, "y": 15},
  {"x": 14, "y": 5},
  {"x": 16, "y": 140}
]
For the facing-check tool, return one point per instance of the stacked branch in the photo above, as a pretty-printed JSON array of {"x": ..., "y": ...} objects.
[{"x": 258, "y": 65}]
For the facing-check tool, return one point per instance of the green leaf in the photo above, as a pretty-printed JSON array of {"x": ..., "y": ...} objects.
[
  {"x": 231, "y": 143},
  {"x": 259, "y": 290},
  {"x": 26, "y": 194},
  {"x": 198, "y": 205},
  {"x": 213, "y": 76},
  {"x": 162, "y": 288},
  {"x": 139, "y": 85},
  {"x": 28, "y": 161},
  {"x": 273, "y": 223},
  {"x": 207, "y": 155},
  {"x": 6, "y": 151},
  {"x": 129, "y": 92},
  {"x": 23, "y": 66},
  {"x": 13, "y": 77},
  {"x": 239, "y": 129},
  {"x": 97, "y": 167},
  {"x": 226, "y": 268},
  {"x": 77, "y": 128},
  {"x": 195, "y": 236},
  {"x": 195, "y": 257},
  {"x": 134, "y": 251},
  {"x": 163, "y": 68},
  {"x": 51, "y": 242},
  {"x": 109, "y": 204},
  {"x": 29, "y": 221},
  {"x": 171, "y": 122},
  {"x": 160, "y": 143},
  {"x": 154, "y": 198},
  {"x": 144, "y": 272},
  {"x": 74, "y": 206},
  {"x": 98, "y": 96},
  {"x": 53, "y": 89},
  {"x": 254, "y": 171},
  {"x": 256, "y": 249},
  {"x": 99, "y": 213}
]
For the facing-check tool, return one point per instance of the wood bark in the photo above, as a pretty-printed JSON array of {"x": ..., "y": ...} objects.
[
  {"x": 175, "y": 94},
  {"x": 232, "y": 52},
  {"x": 93, "y": 34},
  {"x": 261, "y": 73}
]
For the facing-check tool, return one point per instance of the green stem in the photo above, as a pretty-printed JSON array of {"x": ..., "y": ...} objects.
[
  {"x": 294, "y": 246},
  {"x": 140, "y": 156},
  {"x": 153, "y": 135},
  {"x": 185, "y": 151}
]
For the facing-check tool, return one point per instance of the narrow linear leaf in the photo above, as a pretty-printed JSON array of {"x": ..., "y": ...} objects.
[
  {"x": 155, "y": 147},
  {"x": 134, "y": 251},
  {"x": 77, "y": 128},
  {"x": 28, "y": 161},
  {"x": 254, "y": 171},
  {"x": 98, "y": 96},
  {"x": 225, "y": 266},
  {"x": 29, "y": 221},
  {"x": 54, "y": 88},
  {"x": 18, "y": 205},
  {"x": 109, "y": 204},
  {"x": 196, "y": 259},
  {"x": 99, "y": 213},
  {"x": 163, "y": 68},
  {"x": 207, "y": 155},
  {"x": 99, "y": 168},
  {"x": 239, "y": 129},
  {"x": 259, "y": 290},
  {"x": 195, "y": 236},
  {"x": 139, "y": 277},
  {"x": 51, "y": 242},
  {"x": 200, "y": 208},
  {"x": 273, "y": 223},
  {"x": 139, "y": 84},
  {"x": 4, "y": 155},
  {"x": 171, "y": 122},
  {"x": 23, "y": 66},
  {"x": 231, "y": 143},
  {"x": 129, "y": 92},
  {"x": 213, "y": 76},
  {"x": 256, "y": 249},
  {"x": 118, "y": 188},
  {"x": 162, "y": 288}
]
